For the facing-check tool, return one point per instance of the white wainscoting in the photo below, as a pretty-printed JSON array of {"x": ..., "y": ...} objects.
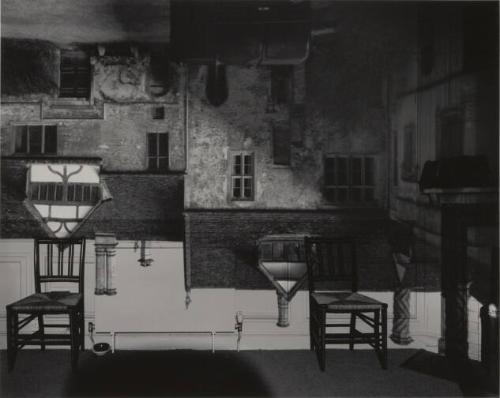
[{"x": 149, "y": 311}]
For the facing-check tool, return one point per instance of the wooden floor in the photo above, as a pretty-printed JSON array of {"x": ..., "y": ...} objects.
[{"x": 226, "y": 373}]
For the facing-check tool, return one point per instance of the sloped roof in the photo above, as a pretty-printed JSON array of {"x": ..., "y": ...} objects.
[{"x": 143, "y": 206}]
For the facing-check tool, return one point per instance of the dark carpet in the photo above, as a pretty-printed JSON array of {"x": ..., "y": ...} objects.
[{"x": 225, "y": 373}]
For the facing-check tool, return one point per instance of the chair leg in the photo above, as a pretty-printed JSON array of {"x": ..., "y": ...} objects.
[
  {"x": 322, "y": 344},
  {"x": 352, "y": 328},
  {"x": 376, "y": 331},
  {"x": 11, "y": 339},
  {"x": 41, "y": 331},
  {"x": 82, "y": 329},
  {"x": 75, "y": 340},
  {"x": 384, "y": 337}
]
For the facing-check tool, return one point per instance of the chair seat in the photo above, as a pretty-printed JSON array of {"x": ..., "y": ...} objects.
[
  {"x": 47, "y": 302},
  {"x": 346, "y": 301}
]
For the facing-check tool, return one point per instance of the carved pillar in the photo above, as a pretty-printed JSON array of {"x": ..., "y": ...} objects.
[
  {"x": 401, "y": 308},
  {"x": 110, "y": 270},
  {"x": 100, "y": 270},
  {"x": 282, "y": 311},
  {"x": 105, "y": 244}
]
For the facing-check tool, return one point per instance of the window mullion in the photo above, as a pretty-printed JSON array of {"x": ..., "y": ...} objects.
[{"x": 43, "y": 140}]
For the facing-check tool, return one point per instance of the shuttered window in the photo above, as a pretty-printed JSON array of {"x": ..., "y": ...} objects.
[
  {"x": 349, "y": 179},
  {"x": 74, "y": 75}
]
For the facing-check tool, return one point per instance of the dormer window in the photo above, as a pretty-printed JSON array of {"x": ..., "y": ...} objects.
[{"x": 63, "y": 194}]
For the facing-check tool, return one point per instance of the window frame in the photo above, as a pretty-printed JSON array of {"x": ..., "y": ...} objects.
[
  {"x": 64, "y": 197},
  {"x": 43, "y": 140},
  {"x": 349, "y": 186},
  {"x": 157, "y": 156},
  {"x": 80, "y": 68},
  {"x": 242, "y": 176}
]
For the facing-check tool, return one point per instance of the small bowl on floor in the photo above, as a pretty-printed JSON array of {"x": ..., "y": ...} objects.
[{"x": 101, "y": 349}]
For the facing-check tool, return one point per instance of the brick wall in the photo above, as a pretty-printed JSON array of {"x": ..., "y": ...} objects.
[{"x": 222, "y": 245}]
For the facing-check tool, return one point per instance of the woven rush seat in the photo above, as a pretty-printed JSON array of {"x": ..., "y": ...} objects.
[
  {"x": 47, "y": 302},
  {"x": 346, "y": 301},
  {"x": 333, "y": 290},
  {"x": 57, "y": 262}
]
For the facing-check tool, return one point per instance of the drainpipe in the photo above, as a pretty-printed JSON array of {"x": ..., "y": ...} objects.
[{"x": 186, "y": 118}]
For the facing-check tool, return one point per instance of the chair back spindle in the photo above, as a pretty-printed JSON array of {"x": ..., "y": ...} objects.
[
  {"x": 331, "y": 263},
  {"x": 59, "y": 260}
]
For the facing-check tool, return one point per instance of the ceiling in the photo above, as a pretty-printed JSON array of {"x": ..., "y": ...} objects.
[{"x": 92, "y": 21}]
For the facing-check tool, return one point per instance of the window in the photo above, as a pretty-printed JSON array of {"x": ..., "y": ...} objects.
[
  {"x": 159, "y": 113},
  {"x": 349, "y": 179},
  {"x": 281, "y": 87},
  {"x": 75, "y": 75},
  {"x": 409, "y": 166},
  {"x": 281, "y": 145},
  {"x": 157, "y": 151},
  {"x": 242, "y": 176},
  {"x": 451, "y": 134},
  {"x": 36, "y": 140},
  {"x": 60, "y": 192}
]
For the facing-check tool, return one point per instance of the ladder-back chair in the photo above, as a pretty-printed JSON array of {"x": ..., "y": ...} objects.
[
  {"x": 332, "y": 278},
  {"x": 57, "y": 262}
]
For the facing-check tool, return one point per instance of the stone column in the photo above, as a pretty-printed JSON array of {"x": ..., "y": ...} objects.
[{"x": 105, "y": 244}]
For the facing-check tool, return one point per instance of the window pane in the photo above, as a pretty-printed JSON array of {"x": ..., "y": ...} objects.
[
  {"x": 330, "y": 171},
  {"x": 35, "y": 139},
  {"x": 43, "y": 192},
  {"x": 59, "y": 192},
  {"x": 237, "y": 165},
  {"x": 95, "y": 194},
  {"x": 341, "y": 171},
  {"x": 247, "y": 191},
  {"x": 78, "y": 192},
  {"x": 35, "y": 191},
  {"x": 330, "y": 194},
  {"x": 356, "y": 175},
  {"x": 152, "y": 147},
  {"x": 236, "y": 187},
  {"x": 341, "y": 194},
  {"x": 163, "y": 163},
  {"x": 152, "y": 163},
  {"x": 163, "y": 144},
  {"x": 71, "y": 192},
  {"x": 369, "y": 171},
  {"x": 247, "y": 170},
  {"x": 21, "y": 139},
  {"x": 51, "y": 139},
  {"x": 86, "y": 193}
]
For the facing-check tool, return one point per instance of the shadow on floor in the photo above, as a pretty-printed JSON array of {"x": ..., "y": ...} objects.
[
  {"x": 469, "y": 374},
  {"x": 259, "y": 373}
]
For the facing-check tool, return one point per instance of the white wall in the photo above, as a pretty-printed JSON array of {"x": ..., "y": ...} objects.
[{"x": 149, "y": 311}]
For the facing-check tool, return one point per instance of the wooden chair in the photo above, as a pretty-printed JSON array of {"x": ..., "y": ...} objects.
[
  {"x": 56, "y": 262},
  {"x": 332, "y": 279}
]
